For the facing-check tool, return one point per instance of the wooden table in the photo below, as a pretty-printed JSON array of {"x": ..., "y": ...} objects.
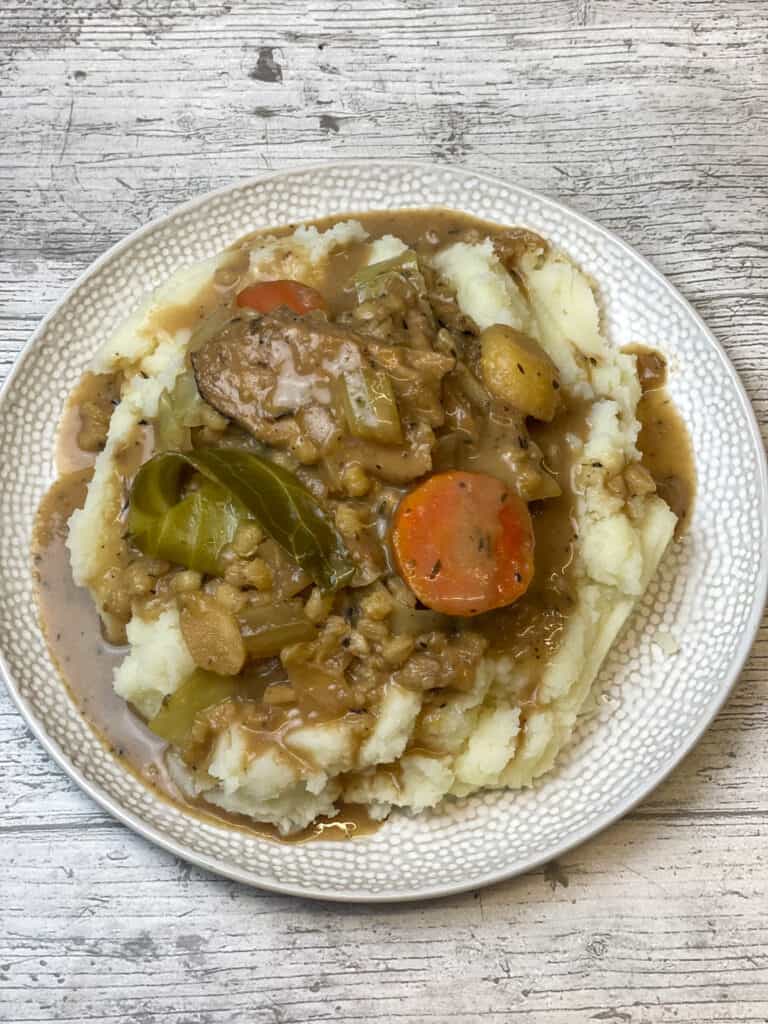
[{"x": 650, "y": 117}]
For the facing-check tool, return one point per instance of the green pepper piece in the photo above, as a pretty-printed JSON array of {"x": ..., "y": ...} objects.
[
  {"x": 192, "y": 531},
  {"x": 370, "y": 407},
  {"x": 267, "y": 629},
  {"x": 201, "y": 525},
  {"x": 199, "y": 691},
  {"x": 254, "y": 487},
  {"x": 372, "y": 282}
]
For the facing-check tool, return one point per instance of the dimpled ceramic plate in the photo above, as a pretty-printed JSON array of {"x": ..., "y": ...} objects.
[{"x": 652, "y": 706}]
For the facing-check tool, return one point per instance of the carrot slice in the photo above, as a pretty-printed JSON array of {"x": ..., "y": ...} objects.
[
  {"x": 464, "y": 543},
  {"x": 265, "y": 296}
]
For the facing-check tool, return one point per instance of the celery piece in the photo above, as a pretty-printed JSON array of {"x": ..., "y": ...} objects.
[{"x": 370, "y": 407}]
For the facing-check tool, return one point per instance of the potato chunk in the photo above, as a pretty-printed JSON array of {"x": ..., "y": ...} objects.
[
  {"x": 212, "y": 635},
  {"x": 517, "y": 370}
]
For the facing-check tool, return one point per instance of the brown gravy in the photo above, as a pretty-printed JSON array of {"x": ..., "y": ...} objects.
[
  {"x": 664, "y": 441},
  {"x": 96, "y": 393},
  {"x": 71, "y": 623},
  {"x": 352, "y": 822},
  {"x": 188, "y": 315},
  {"x": 72, "y": 630}
]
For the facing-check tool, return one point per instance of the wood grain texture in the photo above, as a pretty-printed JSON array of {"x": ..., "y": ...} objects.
[{"x": 652, "y": 118}]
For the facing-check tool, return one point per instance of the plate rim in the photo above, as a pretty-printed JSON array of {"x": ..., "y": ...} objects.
[{"x": 594, "y": 828}]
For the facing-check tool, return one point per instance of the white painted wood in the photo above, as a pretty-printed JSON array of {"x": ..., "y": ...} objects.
[{"x": 650, "y": 117}]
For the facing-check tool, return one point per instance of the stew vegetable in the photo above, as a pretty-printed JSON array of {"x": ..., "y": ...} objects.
[{"x": 464, "y": 543}]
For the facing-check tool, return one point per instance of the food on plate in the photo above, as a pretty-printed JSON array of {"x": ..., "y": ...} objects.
[{"x": 356, "y": 508}]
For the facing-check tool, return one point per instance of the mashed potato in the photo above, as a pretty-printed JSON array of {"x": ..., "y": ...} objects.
[{"x": 479, "y": 738}]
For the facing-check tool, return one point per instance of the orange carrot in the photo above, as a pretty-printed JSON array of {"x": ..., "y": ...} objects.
[
  {"x": 464, "y": 543},
  {"x": 265, "y": 296}
]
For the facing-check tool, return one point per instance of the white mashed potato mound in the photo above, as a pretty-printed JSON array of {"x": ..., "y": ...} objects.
[
  {"x": 476, "y": 739},
  {"x": 133, "y": 339},
  {"x": 266, "y": 787},
  {"x": 291, "y": 784},
  {"x": 157, "y": 664},
  {"x": 394, "y": 723},
  {"x": 385, "y": 248},
  {"x": 486, "y": 292},
  {"x": 302, "y": 256}
]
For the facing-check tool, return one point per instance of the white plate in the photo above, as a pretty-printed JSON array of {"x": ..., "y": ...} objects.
[{"x": 708, "y": 594}]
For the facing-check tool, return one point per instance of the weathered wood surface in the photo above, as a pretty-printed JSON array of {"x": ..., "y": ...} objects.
[{"x": 651, "y": 117}]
